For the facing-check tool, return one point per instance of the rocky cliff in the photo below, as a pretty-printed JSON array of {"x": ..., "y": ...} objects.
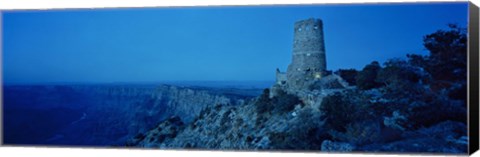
[
  {"x": 236, "y": 128},
  {"x": 330, "y": 119},
  {"x": 164, "y": 100},
  {"x": 102, "y": 114}
]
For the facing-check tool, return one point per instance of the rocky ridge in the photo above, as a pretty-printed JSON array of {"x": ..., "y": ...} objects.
[{"x": 303, "y": 126}]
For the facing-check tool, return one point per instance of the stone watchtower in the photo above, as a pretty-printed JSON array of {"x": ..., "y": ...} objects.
[{"x": 308, "y": 58}]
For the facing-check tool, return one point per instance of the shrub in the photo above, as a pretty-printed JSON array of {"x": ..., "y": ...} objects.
[
  {"x": 297, "y": 141},
  {"x": 279, "y": 140},
  {"x": 359, "y": 133},
  {"x": 365, "y": 79},
  {"x": 260, "y": 120},
  {"x": 284, "y": 102},
  {"x": 304, "y": 134},
  {"x": 422, "y": 107},
  {"x": 248, "y": 139},
  {"x": 337, "y": 111},
  {"x": 348, "y": 75},
  {"x": 447, "y": 60},
  {"x": 398, "y": 75},
  {"x": 161, "y": 138},
  {"x": 459, "y": 93},
  {"x": 397, "y": 70},
  {"x": 139, "y": 136},
  {"x": 175, "y": 120},
  {"x": 281, "y": 103},
  {"x": 341, "y": 109},
  {"x": 437, "y": 111},
  {"x": 264, "y": 104},
  {"x": 448, "y": 53},
  {"x": 265, "y": 97},
  {"x": 225, "y": 117}
]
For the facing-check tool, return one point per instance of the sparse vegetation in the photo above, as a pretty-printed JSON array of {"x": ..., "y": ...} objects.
[
  {"x": 365, "y": 79},
  {"x": 280, "y": 103},
  {"x": 307, "y": 134},
  {"x": 349, "y": 75},
  {"x": 341, "y": 109},
  {"x": 284, "y": 102},
  {"x": 264, "y": 103}
]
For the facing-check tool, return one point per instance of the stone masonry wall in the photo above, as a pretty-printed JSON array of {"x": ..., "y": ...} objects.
[{"x": 308, "y": 57}]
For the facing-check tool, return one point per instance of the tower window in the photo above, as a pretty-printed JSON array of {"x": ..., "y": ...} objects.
[
  {"x": 299, "y": 29},
  {"x": 308, "y": 54},
  {"x": 316, "y": 27}
]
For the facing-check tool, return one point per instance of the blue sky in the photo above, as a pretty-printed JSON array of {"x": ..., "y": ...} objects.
[{"x": 206, "y": 43}]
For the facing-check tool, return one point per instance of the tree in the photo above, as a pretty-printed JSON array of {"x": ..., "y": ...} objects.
[
  {"x": 285, "y": 102},
  {"x": 448, "y": 54},
  {"x": 366, "y": 78},
  {"x": 397, "y": 73},
  {"x": 348, "y": 75},
  {"x": 264, "y": 104},
  {"x": 447, "y": 61}
]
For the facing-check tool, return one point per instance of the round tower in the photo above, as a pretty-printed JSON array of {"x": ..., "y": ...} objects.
[{"x": 308, "y": 58}]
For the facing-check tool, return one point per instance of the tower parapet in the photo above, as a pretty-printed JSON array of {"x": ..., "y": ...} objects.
[{"x": 281, "y": 77}]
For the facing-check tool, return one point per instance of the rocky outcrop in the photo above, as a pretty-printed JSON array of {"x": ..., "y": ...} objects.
[
  {"x": 318, "y": 89},
  {"x": 332, "y": 81},
  {"x": 188, "y": 103},
  {"x": 107, "y": 114},
  {"x": 242, "y": 127},
  {"x": 305, "y": 127},
  {"x": 165, "y": 131}
]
